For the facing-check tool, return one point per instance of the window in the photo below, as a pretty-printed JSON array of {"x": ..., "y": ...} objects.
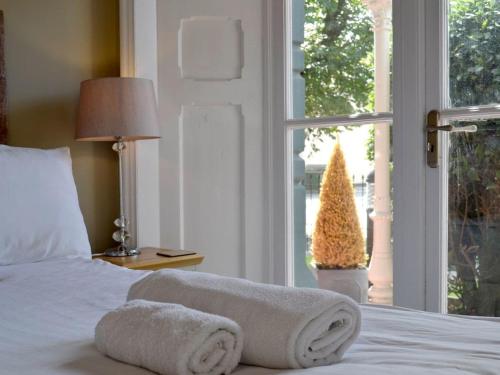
[{"x": 339, "y": 90}]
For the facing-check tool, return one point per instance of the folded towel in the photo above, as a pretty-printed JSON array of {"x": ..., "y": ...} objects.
[
  {"x": 170, "y": 339},
  {"x": 283, "y": 327}
]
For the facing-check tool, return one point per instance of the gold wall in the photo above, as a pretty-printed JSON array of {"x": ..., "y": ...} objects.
[{"x": 52, "y": 45}]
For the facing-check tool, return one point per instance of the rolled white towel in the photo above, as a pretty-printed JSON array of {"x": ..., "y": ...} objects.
[
  {"x": 283, "y": 327},
  {"x": 170, "y": 339}
]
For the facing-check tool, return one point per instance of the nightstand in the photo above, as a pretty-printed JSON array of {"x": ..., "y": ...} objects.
[{"x": 148, "y": 260}]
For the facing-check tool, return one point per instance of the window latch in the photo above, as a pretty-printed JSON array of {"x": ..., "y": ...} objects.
[{"x": 433, "y": 128}]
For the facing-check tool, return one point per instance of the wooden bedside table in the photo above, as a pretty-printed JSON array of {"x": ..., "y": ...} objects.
[{"x": 148, "y": 260}]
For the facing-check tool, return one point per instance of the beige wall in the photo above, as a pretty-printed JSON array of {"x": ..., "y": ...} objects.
[{"x": 52, "y": 45}]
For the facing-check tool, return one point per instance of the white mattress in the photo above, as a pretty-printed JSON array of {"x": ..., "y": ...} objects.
[{"x": 48, "y": 311}]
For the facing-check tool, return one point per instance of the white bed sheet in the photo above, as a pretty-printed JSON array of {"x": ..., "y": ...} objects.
[{"x": 48, "y": 312}]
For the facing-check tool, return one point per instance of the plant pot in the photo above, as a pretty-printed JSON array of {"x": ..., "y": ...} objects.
[{"x": 351, "y": 282}]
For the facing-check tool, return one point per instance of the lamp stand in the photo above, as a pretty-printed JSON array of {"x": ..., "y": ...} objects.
[{"x": 121, "y": 235}]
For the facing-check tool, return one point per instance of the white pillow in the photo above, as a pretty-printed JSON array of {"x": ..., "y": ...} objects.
[{"x": 39, "y": 213}]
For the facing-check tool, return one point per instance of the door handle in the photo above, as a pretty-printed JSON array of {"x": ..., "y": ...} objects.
[
  {"x": 453, "y": 129},
  {"x": 433, "y": 128}
]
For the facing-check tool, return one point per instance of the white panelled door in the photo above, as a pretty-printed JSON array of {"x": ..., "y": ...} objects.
[{"x": 212, "y": 151}]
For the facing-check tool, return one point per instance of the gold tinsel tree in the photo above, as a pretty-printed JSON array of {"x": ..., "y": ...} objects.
[{"x": 337, "y": 240}]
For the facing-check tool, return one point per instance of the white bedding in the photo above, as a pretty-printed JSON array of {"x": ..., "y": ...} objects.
[{"x": 48, "y": 312}]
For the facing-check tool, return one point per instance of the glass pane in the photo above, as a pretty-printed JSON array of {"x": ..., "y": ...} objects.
[
  {"x": 474, "y": 220},
  {"x": 333, "y": 57},
  {"x": 474, "y": 50},
  {"x": 334, "y": 191}
]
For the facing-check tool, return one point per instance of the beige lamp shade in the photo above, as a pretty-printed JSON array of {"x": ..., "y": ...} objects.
[{"x": 117, "y": 107}]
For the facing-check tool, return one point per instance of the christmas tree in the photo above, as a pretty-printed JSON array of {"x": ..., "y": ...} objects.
[{"x": 337, "y": 240}]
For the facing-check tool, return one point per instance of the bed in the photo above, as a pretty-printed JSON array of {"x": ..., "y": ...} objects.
[{"x": 49, "y": 310}]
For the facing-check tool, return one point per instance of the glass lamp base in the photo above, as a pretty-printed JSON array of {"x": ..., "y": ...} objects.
[{"x": 121, "y": 251}]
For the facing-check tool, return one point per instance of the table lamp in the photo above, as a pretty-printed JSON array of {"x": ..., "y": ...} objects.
[{"x": 121, "y": 110}]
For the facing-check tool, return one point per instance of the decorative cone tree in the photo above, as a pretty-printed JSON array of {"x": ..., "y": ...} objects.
[{"x": 337, "y": 241}]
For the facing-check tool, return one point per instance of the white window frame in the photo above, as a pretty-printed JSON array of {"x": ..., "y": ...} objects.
[
  {"x": 409, "y": 155},
  {"x": 419, "y": 222},
  {"x": 436, "y": 188},
  {"x": 418, "y": 280},
  {"x": 284, "y": 124}
]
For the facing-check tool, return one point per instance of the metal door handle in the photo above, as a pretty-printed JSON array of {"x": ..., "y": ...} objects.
[
  {"x": 453, "y": 129},
  {"x": 433, "y": 128}
]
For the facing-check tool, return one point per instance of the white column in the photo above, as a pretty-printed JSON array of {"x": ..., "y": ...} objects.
[{"x": 380, "y": 272}]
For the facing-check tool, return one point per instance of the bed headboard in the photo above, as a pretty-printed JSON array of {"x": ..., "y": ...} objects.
[{"x": 3, "y": 86}]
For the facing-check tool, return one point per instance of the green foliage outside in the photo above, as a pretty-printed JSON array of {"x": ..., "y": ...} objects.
[
  {"x": 339, "y": 66},
  {"x": 338, "y": 53},
  {"x": 474, "y": 48},
  {"x": 474, "y": 221},
  {"x": 474, "y": 170}
]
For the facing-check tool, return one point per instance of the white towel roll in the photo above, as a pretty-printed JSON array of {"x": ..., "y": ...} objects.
[
  {"x": 283, "y": 327},
  {"x": 170, "y": 339}
]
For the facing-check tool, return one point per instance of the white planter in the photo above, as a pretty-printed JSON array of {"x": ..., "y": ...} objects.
[{"x": 351, "y": 282}]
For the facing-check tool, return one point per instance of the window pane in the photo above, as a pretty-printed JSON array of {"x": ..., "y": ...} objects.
[
  {"x": 334, "y": 55},
  {"x": 334, "y": 190},
  {"x": 474, "y": 50},
  {"x": 474, "y": 221}
]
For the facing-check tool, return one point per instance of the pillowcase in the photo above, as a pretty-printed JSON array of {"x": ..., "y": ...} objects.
[{"x": 39, "y": 213}]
